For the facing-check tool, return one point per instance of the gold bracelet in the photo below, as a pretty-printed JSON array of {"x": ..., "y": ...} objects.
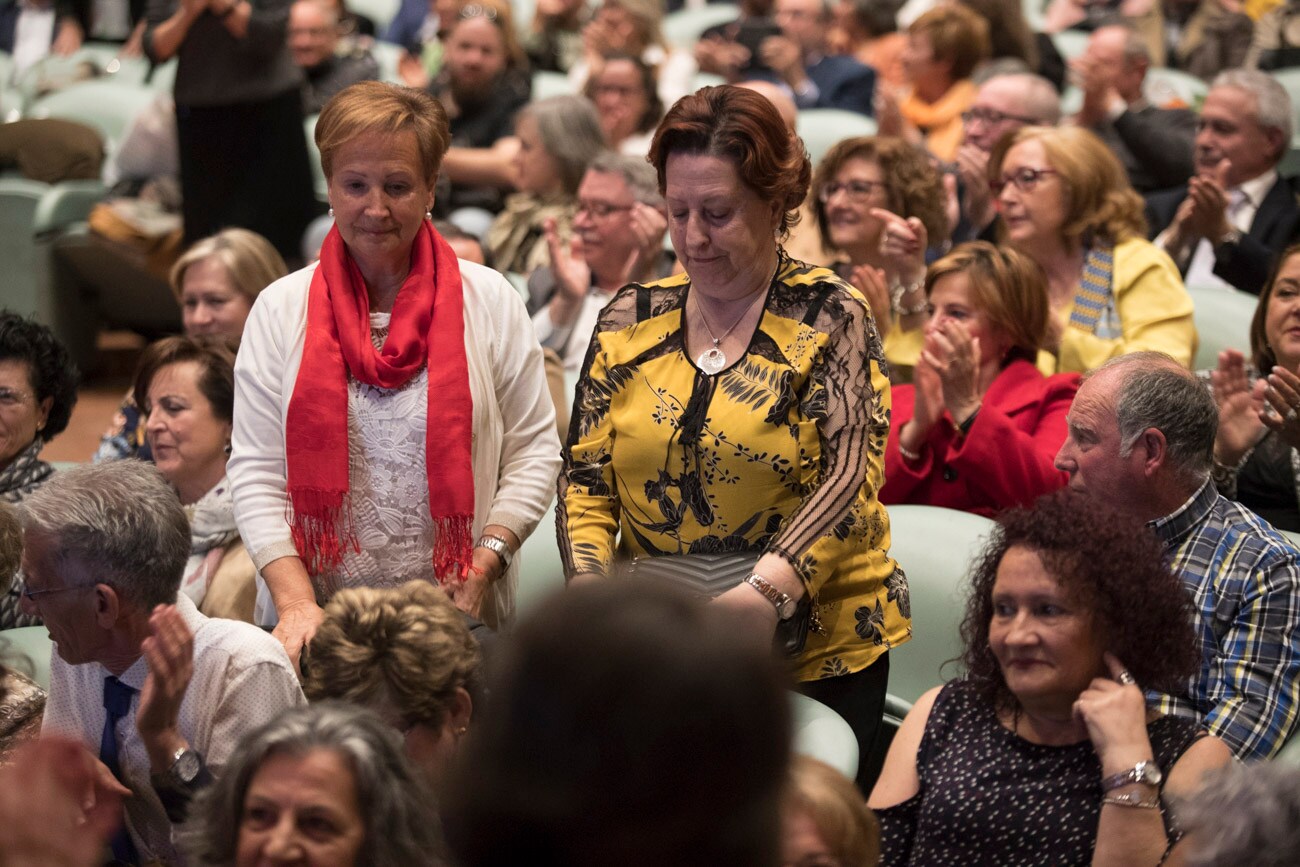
[{"x": 1133, "y": 799}]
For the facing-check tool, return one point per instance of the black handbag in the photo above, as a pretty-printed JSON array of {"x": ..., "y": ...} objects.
[{"x": 708, "y": 576}]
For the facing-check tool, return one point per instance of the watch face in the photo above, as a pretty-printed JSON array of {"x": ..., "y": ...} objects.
[
  {"x": 786, "y": 611},
  {"x": 186, "y": 766},
  {"x": 1150, "y": 774}
]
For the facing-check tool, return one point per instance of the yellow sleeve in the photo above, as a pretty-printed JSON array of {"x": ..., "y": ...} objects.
[
  {"x": 587, "y": 514},
  {"x": 1155, "y": 313}
]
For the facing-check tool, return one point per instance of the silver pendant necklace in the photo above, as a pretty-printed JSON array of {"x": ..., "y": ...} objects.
[{"x": 713, "y": 360}]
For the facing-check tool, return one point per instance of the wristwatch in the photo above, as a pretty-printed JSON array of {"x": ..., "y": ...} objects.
[
  {"x": 784, "y": 605},
  {"x": 185, "y": 767},
  {"x": 1147, "y": 773},
  {"x": 1232, "y": 236},
  {"x": 497, "y": 546}
]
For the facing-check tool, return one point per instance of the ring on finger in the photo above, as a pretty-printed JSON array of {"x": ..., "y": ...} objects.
[{"x": 1125, "y": 678}]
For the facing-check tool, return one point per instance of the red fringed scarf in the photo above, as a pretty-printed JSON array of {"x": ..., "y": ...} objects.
[{"x": 428, "y": 318}]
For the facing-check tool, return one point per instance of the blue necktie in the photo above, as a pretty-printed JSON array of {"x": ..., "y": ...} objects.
[{"x": 117, "y": 703}]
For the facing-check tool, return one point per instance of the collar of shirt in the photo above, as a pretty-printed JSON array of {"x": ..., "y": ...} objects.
[
  {"x": 1172, "y": 528},
  {"x": 1257, "y": 188}
]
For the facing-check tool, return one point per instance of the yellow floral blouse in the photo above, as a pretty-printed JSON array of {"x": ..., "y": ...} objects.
[{"x": 781, "y": 452}]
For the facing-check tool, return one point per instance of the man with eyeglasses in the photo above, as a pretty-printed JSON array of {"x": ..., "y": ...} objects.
[
  {"x": 1226, "y": 227},
  {"x": 618, "y": 235},
  {"x": 1153, "y": 142},
  {"x": 1003, "y": 104},
  {"x": 161, "y": 692}
]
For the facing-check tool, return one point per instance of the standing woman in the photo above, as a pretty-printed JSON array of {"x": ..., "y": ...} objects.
[
  {"x": 387, "y": 413},
  {"x": 742, "y": 408},
  {"x": 238, "y": 117}
]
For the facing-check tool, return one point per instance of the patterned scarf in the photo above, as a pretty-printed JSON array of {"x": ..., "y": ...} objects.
[
  {"x": 1095, "y": 295},
  {"x": 427, "y": 329},
  {"x": 25, "y": 473}
]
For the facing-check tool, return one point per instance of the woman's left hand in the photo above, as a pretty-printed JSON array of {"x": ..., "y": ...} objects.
[
  {"x": 953, "y": 354},
  {"x": 468, "y": 594},
  {"x": 1283, "y": 395},
  {"x": 754, "y": 614},
  {"x": 1115, "y": 714},
  {"x": 902, "y": 244}
]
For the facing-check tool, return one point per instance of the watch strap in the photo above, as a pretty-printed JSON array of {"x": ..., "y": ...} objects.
[
  {"x": 780, "y": 601},
  {"x": 1147, "y": 773},
  {"x": 496, "y": 545}
]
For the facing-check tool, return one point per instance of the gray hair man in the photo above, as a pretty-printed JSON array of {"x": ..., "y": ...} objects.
[
  {"x": 1003, "y": 104},
  {"x": 314, "y": 43},
  {"x": 618, "y": 236},
  {"x": 1153, "y": 143},
  {"x": 162, "y": 692},
  {"x": 1229, "y": 223},
  {"x": 1141, "y": 435}
]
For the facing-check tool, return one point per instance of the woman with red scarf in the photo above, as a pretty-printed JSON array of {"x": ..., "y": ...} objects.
[{"x": 391, "y": 421}]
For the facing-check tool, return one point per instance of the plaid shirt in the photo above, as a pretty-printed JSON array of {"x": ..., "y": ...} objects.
[{"x": 1244, "y": 578}]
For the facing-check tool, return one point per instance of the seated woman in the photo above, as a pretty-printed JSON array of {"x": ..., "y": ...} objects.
[
  {"x": 943, "y": 48},
  {"x": 878, "y": 201},
  {"x": 22, "y": 702},
  {"x": 558, "y": 139},
  {"x": 38, "y": 388},
  {"x": 1066, "y": 203},
  {"x": 825, "y": 822},
  {"x": 980, "y": 427},
  {"x": 405, "y": 653},
  {"x": 627, "y": 103},
  {"x": 1257, "y": 449},
  {"x": 1046, "y": 751},
  {"x": 216, "y": 282},
  {"x": 185, "y": 389},
  {"x": 327, "y": 783}
]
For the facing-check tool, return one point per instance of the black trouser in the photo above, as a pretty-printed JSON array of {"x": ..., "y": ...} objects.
[{"x": 860, "y": 699}]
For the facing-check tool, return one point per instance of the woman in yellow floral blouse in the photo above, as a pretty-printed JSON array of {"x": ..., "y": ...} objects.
[{"x": 744, "y": 407}]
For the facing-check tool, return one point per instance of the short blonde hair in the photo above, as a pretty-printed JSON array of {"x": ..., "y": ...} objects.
[
  {"x": 378, "y": 107},
  {"x": 836, "y": 807},
  {"x": 405, "y": 649},
  {"x": 250, "y": 260},
  {"x": 1099, "y": 201},
  {"x": 1008, "y": 287}
]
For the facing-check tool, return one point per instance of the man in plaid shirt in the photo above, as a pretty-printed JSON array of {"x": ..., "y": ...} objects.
[{"x": 1141, "y": 436}]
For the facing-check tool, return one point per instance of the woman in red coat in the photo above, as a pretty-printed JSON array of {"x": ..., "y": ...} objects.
[{"x": 979, "y": 429}]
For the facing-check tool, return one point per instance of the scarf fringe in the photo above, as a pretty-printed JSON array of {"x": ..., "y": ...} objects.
[
  {"x": 452, "y": 548},
  {"x": 323, "y": 531}
]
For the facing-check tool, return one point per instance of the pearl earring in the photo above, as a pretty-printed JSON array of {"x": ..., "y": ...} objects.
[
  {"x": 331, "y": 213},
  {"x": 428, "y": 215}
]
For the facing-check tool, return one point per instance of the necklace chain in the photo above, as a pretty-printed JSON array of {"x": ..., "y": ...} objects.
[{"x": 713, "y": 360}]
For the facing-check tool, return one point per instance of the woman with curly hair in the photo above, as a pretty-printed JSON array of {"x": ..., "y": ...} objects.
[
  {"x": 1066, "y": 203},
  {"x": 38, "y": 388},
  {"x": 1046, "y": 751},
  {"x": 405, "y": 653},
  {"x": 979, "y": 428},
  {"x": 879, "y": 201}
]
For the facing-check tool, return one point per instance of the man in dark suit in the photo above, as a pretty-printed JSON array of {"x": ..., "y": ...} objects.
[
  {"x": 1228, "y": 225},
  {"x": 1154, "y": 143},
  {"x": 799, "y": 57}
]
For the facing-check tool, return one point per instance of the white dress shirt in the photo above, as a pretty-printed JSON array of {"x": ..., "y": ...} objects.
[
  {"x": 1243, "y": 205},
  {"x": 242, "y": 679}
]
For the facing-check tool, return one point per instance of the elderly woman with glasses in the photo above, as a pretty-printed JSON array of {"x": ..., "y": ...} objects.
[{"x": 1066, "y": 203}]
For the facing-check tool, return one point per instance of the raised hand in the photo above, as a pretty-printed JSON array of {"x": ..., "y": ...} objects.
[
  {"x": 954, "y": 355},
  {"x": 973, "y": 168},
  {"x": 902, "y": 244},
  {"x": 1240, "y": 408},
  {"x": 648, "y": 228},
  {"x": 1282, "y": 391},
  {"x": 1115, "y": 714},
  {"x": 872, "y": 284},
  {"x": 169, "y": 653}
]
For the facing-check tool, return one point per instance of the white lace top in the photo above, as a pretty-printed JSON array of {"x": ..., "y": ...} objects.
[{"x": 389, "y": 492}]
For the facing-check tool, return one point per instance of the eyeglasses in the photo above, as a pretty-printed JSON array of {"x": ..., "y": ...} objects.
[
  {"x": 858, "y": 192},
  {"x": 601, "y": 210},
  {"x": 992, "y": 117},
  {"x": 30, "y": 595},
  {"x": 1025, "y": 179},
  {"x": 12, "y": 397}
]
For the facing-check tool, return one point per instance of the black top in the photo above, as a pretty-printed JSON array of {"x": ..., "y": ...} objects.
[
  {"x": 1266, "y": 484},
  {"x": 991, "y": 797}
]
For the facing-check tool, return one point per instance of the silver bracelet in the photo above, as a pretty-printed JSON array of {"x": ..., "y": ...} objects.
[
  {"x": 896, "y": 293},
  {"x": 1133, "y": 799},
  {"x": 915, "y": 457}
]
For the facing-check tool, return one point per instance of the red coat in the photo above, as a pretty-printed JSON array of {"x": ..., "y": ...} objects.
[{"x": 1005, "y": 460}]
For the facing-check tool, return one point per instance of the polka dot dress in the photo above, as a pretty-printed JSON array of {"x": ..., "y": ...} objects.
[{"x": 991, "y": 797}]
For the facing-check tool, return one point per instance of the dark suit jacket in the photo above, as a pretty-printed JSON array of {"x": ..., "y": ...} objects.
[
  {"x": 1245, "y": 265},
  {"x": 1154, "y": 144},
  {"x": 843, "y": 82}
]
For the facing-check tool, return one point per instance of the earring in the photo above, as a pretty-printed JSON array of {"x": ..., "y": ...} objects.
[
  {"x": 461, "y": 732},
  {"x": 331, "y": 212},
  {"x": 428, "y": 215},
  {"x": 226, "y": 448}
]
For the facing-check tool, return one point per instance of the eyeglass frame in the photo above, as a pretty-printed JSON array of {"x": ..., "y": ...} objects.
[
  {"x": 1025, "y": 179},
  {"x": 827, "y": 192},
  {"x": 30, "y": 595},
  {"x": 601, "y": 211},
  {"x": 993, "y": 117}
]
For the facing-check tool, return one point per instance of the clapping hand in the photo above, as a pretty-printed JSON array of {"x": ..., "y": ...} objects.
[
  {"x": 648, "y": 228},
  {"x": 954, "y": 355},
  {"x": 1114, "y": 711},
  {"x": 1241, "y": 408},
  {"x": 1207, "y": 215},
  {"x": 169, "y": 653},
  {"x": 1282, "y": 392},
  {"x": 872, "y": 284},
  {"x": 902, "y": 244},
  {"x": 973, "y": 169}
]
